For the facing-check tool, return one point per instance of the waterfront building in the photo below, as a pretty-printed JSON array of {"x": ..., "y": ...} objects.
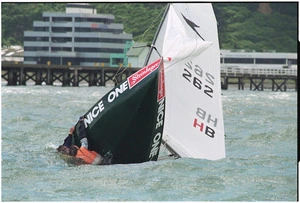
[
  {"x": 79, "y": 36},
  {"x": 137, "y": 54},
  {"x": 252, "y": 59}
]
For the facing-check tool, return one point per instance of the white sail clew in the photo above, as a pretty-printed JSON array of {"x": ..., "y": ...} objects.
[{"x": 188, "y": 38}]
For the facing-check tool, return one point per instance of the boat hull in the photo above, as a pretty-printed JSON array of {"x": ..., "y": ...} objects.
[{"x": 127, "y": 122}]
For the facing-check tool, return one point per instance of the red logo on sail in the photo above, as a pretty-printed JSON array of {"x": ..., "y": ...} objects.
[{"x": 141, "y": 74}]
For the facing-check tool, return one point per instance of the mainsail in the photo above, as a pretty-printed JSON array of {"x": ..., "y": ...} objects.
[{"x": 188, "y": 41}]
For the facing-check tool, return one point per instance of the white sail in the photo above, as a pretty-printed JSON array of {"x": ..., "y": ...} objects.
[{"x": 188, "y": 39}]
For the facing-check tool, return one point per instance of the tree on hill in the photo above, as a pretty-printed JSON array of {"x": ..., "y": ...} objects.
[
  {"x": 257, "y": 26},
  {"x": 251, "y": 26}
]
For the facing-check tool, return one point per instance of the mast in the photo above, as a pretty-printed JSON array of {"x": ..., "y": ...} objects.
[
  {"x": 156, "y": 34},
  {"x": 170, "y": 149}
]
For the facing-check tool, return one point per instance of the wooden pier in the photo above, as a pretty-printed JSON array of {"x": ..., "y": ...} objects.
[
  {"x": 258, "y": 78},
  {"x": 22, "y": 74}
]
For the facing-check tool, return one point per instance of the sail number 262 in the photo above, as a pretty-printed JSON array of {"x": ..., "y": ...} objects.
[{"x": 193, "y": 73}]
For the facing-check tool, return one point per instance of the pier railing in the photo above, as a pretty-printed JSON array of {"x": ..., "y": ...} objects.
[
  {"x": 257, "y": 71},
  {"x": 257, "y": 76}
]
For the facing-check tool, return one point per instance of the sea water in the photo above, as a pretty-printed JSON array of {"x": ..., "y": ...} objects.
[{"x": 260, "y": 163}]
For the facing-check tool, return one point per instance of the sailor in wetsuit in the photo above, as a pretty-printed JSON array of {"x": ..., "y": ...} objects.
[{"x": 69, "y": 147}]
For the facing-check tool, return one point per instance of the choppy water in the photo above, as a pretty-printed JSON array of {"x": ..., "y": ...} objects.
[{"x": 261, "y": 147}]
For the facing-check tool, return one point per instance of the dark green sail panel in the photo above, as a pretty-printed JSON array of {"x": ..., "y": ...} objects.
[{"x": 128, "y": 121}]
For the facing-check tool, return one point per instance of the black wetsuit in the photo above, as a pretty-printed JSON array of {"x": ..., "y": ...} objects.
[
  {"x": 71, "y": 139},
  {"x": 80, "y": 129},
  {"x": 68, "y": 141}
]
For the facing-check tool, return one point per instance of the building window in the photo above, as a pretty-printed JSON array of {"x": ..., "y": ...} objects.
[
  {"x": 34, "y": 39},
  {"x": 54, "y": 49},
  {"x": 53, "y": 60},
  {"x": 41, "y": 29},
  {"x": 105, "y": 40},
  {"x": 270, "y": 61},
  {"x": 102, "y": 50},
  {"x": 84, "y": 39},
  {"x": 42, "y": 49},
  {"x": 97, "y": 29},
  {"x": 46, "y": 19},
  {"x": 30, "y": 39},
  {"x": 61, "y": 29},
  {"x": 95, "y": 20},
  {"x": 42, "y": 39},
  {"x": 36, "y": 48},
  {"x": 94, "y": 60},
  {"x": 61, "y": 19},
  {"x": 29, "y": 58},
  {"x": 239, "y": 60},
  {"x": 116, "y": 61},
  {"x": 61, "y": 39},
  {"x": 29, "y": 48},
  {"x": 292, "y": 61}
]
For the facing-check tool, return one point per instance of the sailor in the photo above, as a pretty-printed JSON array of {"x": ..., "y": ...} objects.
[
  {"x": 68, "y": 139},
  {"x": 82, "y": 132},
  {"x": 82, "y": 152},
  {"x": 89, "y": 157},
  {"x": 65, "y": 147}
]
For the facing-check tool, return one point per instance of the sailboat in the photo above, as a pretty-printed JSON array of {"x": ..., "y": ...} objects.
[{"x": 175, "y": 99}]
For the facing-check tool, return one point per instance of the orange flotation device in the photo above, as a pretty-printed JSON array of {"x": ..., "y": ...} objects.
[{"x": 89, "y": 157}]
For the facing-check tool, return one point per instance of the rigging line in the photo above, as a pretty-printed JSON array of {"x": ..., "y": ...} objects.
[
  {"x": 147, "y": 31},
  {"x": 152, "y": 46},
  {"x": 157, "y": 32},
  {"x": 116, "y": 74},
  {"x": 154, "y": 23},
  {"x": 119, "y": 73}
]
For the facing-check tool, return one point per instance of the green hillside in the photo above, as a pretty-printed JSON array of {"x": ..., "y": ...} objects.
[{"x": 250, "y": 26}]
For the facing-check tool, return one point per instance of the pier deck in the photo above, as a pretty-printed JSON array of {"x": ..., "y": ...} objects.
[{"x": 21, "y": 74}]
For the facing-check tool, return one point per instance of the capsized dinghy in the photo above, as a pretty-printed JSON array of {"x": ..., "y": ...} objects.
[
  {"x": 130, "y": 120},
  {"x": 127, "y": 122}
]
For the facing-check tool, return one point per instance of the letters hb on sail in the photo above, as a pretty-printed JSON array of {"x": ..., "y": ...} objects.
[{"x": 141, "y": 74}]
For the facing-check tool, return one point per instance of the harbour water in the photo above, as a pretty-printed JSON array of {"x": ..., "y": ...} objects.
[{"x": 260, "y": 163}]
